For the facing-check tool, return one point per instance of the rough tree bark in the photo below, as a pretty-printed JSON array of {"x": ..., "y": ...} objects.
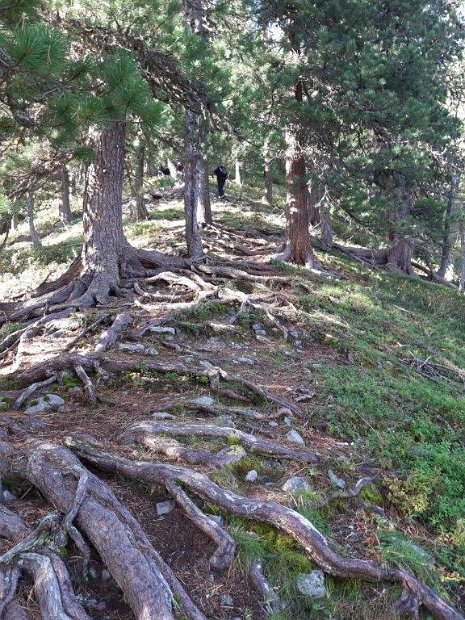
[
  {"x": 399, "y": 254},
  {"x": 450, "y": 230},
  {"x": 139, "y": 211},
  {"x": 30, "y": 218},
  {"x": 318, "y": 214},
  {"x": 267, "y": 175},
  {"x": 65, "y": 209},
  {"x": 298, "y": 248},
  {"x": 196, "y": 191}
]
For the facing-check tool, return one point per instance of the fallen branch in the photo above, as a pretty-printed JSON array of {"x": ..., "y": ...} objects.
[
  {"x": 259, "y": 581},
  {"x": 88, "y": 386}
]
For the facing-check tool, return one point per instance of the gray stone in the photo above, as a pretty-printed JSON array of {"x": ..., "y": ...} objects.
[
  {"x": 295, "y": 437},
  {"x": 296, "y": 484},
  {"x": 105, "y": 575},
  {"x": 312, "y": 584},
  {"x": 34, "y": 425},
  {"x": 41, "y": 405},
  {"x": 259, "y": 329},
  {"x": 216, "y": 519},
  {"x": 206, "y": 364},
  {"x": 226, "y": 600},
  {"x": 54, "y": 401},
  {"x": 203, "y": 401},
  {"x": 338, "y": 482},
  {"x": 252, "y": 476},
  {"x": 8, "y": 497},
  {"x": 243, "y": 360},
  {"x": 4, "y": 405},
  {"x": 273, "y": 423},
  {"x": 163, "y": 415},
  {"x": 164, "y": 508},
  {"x": 287, "y": 421},
  {"x": 75, "y": 391},
  {"x": 158, "y": 329},
  {"x": 129, "y": 346}
]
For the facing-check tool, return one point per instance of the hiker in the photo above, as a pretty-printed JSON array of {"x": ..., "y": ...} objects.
[{"x": 221, "y": 175}]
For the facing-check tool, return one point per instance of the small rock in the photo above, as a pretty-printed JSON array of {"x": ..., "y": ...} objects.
[
  {"x": 92, "y": 573},
  {"x": 157, "y": 329},
  {"x": 252, "y": 476},
  {"x": 127, "y": 346},
  {"x": 243, "y": 360},
  {"x": 273, "y": 423},
  {"x": 105, "y": 575},
  {"x": 34, "y": 425},
  {"x": 312, "y": 584},
  {"x": 4, "y": 406},
  {"x": 296, "y": 484},
  {"x": 226, "y": 600},
  {"x": 8, "y": 497},
  {"x": 287, "y": 421},
  {"x": 203, "y": 401},
  {"x": 41, "y": 405},
  {"x": 163, "y": 415},
  {"x": 206, "y": 364},
  {"x": 150, "y": 351},
  {"x": 295, "y": 437},
  {"x": 54, "y": 401},
  {"x": 258, "y": 329},
  {"x": 75, "y": 391},
  {"x": 216, "y": 519},
  {"x": 164, "y": 508},
  {"x": 338, "y": 482}
]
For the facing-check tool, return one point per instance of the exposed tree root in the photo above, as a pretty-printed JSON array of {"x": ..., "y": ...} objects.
[
  {"x": 147, "y": 433},
  {"x": 111, "y": 335},
  {"x": 277, "y": 515},
  {"x": 148, "y": 583},
  {"x": 88, "y": 387},
  {"x": 31, "y": 390},
  {"x": 86, "y": 330},
  {"x": 215, "y": 375},
  {"x": 259, "y": 581}
]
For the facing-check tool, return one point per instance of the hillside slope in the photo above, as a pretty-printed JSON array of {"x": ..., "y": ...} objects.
[{"x": 368, "y": 368}]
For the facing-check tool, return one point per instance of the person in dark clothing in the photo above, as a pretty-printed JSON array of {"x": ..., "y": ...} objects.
[
  {"x": 221, "y": 175},
  {"x": 164, "y": 170}
]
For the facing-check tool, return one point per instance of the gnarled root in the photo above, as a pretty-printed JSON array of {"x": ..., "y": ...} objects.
[
  {"x": 277, "y": 515},
  {"x": 147, "y": 433},
  {"x": 259, "y": 581},
  {"x": 148, "y": 583}
]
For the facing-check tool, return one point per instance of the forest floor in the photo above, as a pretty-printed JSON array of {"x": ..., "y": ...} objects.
[{"x": 375, "y": 363}]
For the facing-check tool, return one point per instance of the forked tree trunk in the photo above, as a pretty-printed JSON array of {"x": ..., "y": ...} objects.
[
  {"x": 450, "y": 230},
  {"x": 298, "y": 248},
  {"x": 65, "y": 209},
  {"x": 267, "y": 175},
  {"x": 30, "y": 218},
  {"x": 139, "y": 211}
]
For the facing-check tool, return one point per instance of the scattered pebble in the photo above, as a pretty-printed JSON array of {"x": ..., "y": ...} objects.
[
  {"x": 203, "y": 401},
  {"x": 164, "y": 508},
  {"x": 226, "y": 600},
  {"x": 252, "y": 476},
  {"x": 312, "y": 584},
  {"x": 163, "y": 415},
  {"x": 287, "y": 421},
  {"x": 295, "y": 437},
  {"x": 158, "y": 329},
  {"x": 338, "y": 482},
  {"x": 8, "y": 497},
  {"x": 296, "y": 484},
  {"x": 105, "y": 575},
  {"x": 273, "y": 423},
  {"x": 44, "y": 403},
  {"x": 243, "y": 360}
]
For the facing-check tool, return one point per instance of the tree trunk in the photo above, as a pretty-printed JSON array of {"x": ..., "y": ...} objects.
[
  {"x": 173, "y": 170},
  {"x": 139, "y": 211},
  {"x": 318, "y": 214},
  {"x": 65, "y": 209},
  {"x": 298, "y": 248},
  {"x": 30, "y": 218},
  {"x": 196, "y": 189},
  {"x": 238, "y": 179},
  {"x": 462, "y": 254},
  {"x": 450, "y": 230},
  {"x": 267, "y": 176},
  {"x": 103, "y": 213},
  {"x": 399, "y": 254}
]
